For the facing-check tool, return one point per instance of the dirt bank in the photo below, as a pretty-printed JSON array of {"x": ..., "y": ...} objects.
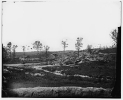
[{"x": 61, "y": 92}]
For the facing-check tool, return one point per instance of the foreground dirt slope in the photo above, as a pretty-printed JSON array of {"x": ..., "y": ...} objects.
[{"x": 61, "y": 92}]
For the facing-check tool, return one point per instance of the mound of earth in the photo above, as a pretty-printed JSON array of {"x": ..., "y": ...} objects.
[{"x": 61, "y": 92}]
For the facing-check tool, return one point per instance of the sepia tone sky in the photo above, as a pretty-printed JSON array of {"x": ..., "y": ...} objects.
[{"x": 53, "y": 21}]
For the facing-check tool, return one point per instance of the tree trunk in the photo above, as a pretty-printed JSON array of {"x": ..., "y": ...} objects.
[
  {"x": 13, "y": 55},
  {"x": 46, "y": 57},
  {"x": 39, "y": 55},
  {"x": 10, "y": 55},
  {"x": 64, "y": 49},
  {"x": 78, "y": 53},
  {"x": 24, "y": 54}
]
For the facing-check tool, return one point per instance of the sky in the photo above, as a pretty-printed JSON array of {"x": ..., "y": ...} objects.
[{"x": 50, "y": 22}]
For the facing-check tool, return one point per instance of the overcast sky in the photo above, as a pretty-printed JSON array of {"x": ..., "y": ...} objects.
[{"x": 52, "y": 21}]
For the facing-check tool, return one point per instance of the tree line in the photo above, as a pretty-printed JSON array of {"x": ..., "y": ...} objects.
[{"x": 38, "y": 46}]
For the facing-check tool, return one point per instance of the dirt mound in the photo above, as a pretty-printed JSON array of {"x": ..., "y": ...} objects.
[{"x": 61, "y": 92}]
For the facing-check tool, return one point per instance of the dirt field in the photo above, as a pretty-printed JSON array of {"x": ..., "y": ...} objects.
[{"x": 91, "y": 74}]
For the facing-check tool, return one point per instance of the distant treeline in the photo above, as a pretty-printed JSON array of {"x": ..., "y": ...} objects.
[{"x": 34, "y": 54}]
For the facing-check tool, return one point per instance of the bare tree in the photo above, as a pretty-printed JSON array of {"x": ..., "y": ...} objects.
[
  {"x": 38, "y": 46},
  {"x": 78, "y": 44},
  {"x": 24, "y": 47},
  {"x": 46, "y": 48},
  {"x": 14, "y": 48},
  {"x": 4, "y": 54},
  {"x": 114, "y": 35},
  {"x": 64, "y": 43},
  {"x": 9, "y": 45}
]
